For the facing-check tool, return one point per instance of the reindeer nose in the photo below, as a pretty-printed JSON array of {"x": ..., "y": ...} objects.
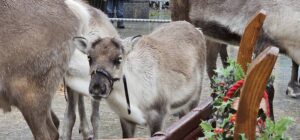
[
  {"x": 98, "y": 90},
  {"x": 102, "y": 89}
]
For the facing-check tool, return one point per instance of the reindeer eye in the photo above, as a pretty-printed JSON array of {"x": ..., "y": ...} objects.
[
  {"x": 90, "y": 59},
  {"x": 118, "y": 61}
]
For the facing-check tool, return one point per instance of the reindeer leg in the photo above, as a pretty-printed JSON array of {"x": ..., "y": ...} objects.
[
  {"x": 52, "y": 129},
  {"x": 37, "y": 123},
  {"x": 156, "y": 118},
  {"x": 213, "y": 50},
  {"x": 95, "y": 118},
  {"x": 70, "y": 115},
  {"x": 271, "y": 92},
  {"x": 224, "y": 55},
  {"x": 35, "y": 107},
  {"x": 55, "y": 119},
  {"x": 156, "y": 114},
  {"x": 128, "y": 128},
  {"x": 293, "y": 89},
  {"x": 84, "y": 126}
]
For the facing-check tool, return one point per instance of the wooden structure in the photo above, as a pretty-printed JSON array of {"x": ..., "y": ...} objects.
[
  {"x": 249, "y": 38},
  {"x": 251, "y": 92}
]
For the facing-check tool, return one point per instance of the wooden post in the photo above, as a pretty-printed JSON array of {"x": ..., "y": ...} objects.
[
  {"x": 252, "y": 92},
  {"x": 248, "y": 40},
  {"x": 187, "y": 127}
]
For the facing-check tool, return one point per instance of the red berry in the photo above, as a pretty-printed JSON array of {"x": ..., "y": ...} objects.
[
  {"x": 232, "y": 118},
  {"x": 260, "y": 122},
  {"x": 222, "y": 84},
  {"x": 218, "y": 130},
  {"x": 225, "y": 98}
]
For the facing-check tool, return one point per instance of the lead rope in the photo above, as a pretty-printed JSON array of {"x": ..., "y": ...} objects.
[
  {"x": 125, "y": 83},
  {"x": 237, "y": 85},
  {"x": 126, "y": 94}
]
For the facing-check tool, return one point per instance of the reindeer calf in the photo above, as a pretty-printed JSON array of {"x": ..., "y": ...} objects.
[{"x": 164, "y": 72}]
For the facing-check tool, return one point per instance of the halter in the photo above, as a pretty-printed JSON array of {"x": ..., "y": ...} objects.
[
  {"x": 111, "y": 83},
  {"x": 111, "y": 80}
]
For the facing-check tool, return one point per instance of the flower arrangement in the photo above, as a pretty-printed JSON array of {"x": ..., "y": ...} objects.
[{"x": 225, "y": 101}]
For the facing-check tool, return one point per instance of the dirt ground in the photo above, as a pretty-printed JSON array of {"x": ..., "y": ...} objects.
[{"x": 14, "y": 127}]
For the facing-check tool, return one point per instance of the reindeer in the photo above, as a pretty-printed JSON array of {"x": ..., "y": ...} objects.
[
  {"x": 164, "y": 72},
  {"x": 213, "y": 47},
  {"x": 77, "y": 78},
  {"x": 224, "y": 21},
  {"x": 36, "y": 46},
  {"x": 30, "y": 79}
]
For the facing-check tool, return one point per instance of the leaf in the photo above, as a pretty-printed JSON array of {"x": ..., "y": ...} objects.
[
  {"x": 275, "y": 131},
  {"x": 220, "y": 71},
  {"x": 209, "y": 135},
  {"x": 239, "y": 73},
  {"x": 263, "y": 136},
  {"x": 226, "y": 120},
  {"x": 282, "y": 125},
  {"x": 225, "y": 105},
  {"x": 243, "y": 136},
  {"x": 270, "y": 126},
  {"x": 206, "y": 126},
  {"x": 220, "y": 138}
]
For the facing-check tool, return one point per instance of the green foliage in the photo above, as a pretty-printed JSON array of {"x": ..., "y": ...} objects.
[
  {"x": 207, "y": 129},
  {"x": 233, "y": 72},
  {"x": 222, "y": 106},
  {"x": 276, "y": 131},
  {"x": 223, "y": 116},
  {"x": 206, "y": 126},
  {"x": 243, "y": 137}
]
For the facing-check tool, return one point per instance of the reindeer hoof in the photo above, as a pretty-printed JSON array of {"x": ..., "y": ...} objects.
[
  {"x": 291, "y": 92},
  {"x": 90, "y": 137}
]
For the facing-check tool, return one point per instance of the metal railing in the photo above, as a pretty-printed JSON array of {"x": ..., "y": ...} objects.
[{"x": 141, "y": 20}]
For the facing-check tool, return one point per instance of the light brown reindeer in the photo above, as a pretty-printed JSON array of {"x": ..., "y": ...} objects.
[
  {"x": 164, "y": 72},
  {"x": 36, "y": 45},
  {"x": 224, "y": 21}
]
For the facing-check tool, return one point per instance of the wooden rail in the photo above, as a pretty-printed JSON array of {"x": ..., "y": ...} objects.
[
  {"x": 252, "y": 92},
  {"x": 249, "y": 38},
  {"x": 187, "y": 128},
  {"x": 256, "y": 78}
]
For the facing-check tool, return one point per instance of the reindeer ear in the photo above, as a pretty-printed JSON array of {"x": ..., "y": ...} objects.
[{"x": 81, "y": 44}]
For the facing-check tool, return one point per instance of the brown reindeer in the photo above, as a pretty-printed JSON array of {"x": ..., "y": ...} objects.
[
  {"x": 164, "y": 72},
  {"x": 36, "y": 46},
  {"x": 213, "y": 48},
  {"x": 224, "y": 21}
]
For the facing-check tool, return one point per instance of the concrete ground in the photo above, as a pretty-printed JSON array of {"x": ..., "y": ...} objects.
[{"x": 14, "y": 127}]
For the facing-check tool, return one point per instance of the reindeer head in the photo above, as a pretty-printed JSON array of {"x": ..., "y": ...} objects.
[{"x": 105, "y": 58}]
